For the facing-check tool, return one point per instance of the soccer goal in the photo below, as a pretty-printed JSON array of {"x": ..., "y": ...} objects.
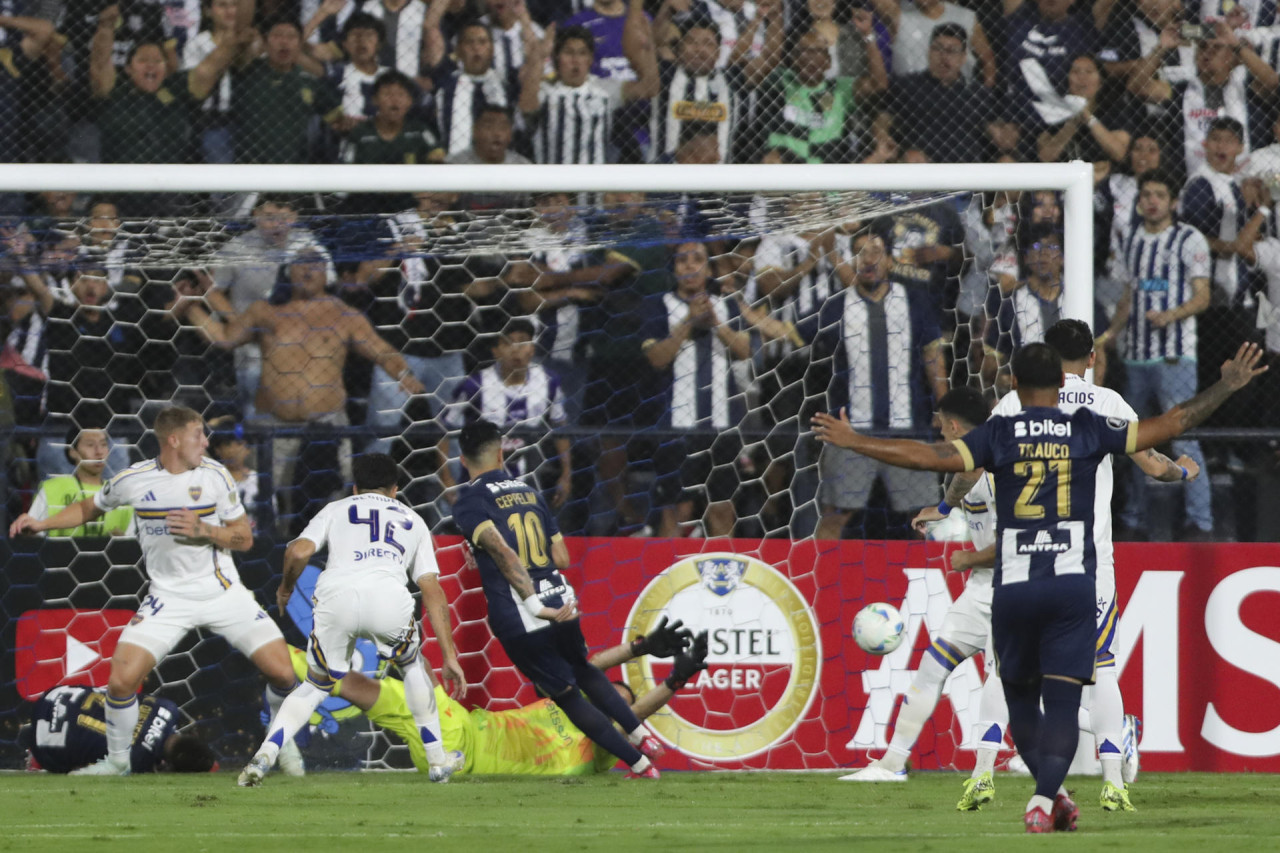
[{"x": 653, "y": 339}]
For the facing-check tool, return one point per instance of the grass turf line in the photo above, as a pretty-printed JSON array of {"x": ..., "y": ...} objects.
[{"x": 683, "y": 811}]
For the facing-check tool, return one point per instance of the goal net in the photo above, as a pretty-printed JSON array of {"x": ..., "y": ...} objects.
[{"x": 652, "y": 340}]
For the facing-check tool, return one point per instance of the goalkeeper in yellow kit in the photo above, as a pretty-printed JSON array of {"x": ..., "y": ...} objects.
[{"x": 536, "y": 740}]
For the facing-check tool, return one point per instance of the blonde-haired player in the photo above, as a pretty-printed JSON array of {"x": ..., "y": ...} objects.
[
  {"x": 189, "y": 517},
  {"x": 373, "y": 540}
]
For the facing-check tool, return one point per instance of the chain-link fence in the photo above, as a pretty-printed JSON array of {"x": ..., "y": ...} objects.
[{"x": 1186, "y": 261}]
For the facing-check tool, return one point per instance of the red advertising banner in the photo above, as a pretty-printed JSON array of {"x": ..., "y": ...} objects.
[
  {"x": 787, "y": 687},
  {"x": 65, "y": 646}
]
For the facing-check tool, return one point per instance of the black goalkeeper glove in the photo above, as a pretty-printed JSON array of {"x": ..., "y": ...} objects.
[
  {"x": 690, "y": 663},
  {"x": 663, "y": 641}
]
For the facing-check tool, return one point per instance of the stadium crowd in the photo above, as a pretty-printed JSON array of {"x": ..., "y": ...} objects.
[{"x": 676, "y": 360}]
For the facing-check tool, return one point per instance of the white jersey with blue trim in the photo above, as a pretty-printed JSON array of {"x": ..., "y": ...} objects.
[
  {"x": 180, "y": 566},
  {"x": 371, "y": 538},
  {"x": 979, "y": 505},
  {"x": 1077, "y": 392}
]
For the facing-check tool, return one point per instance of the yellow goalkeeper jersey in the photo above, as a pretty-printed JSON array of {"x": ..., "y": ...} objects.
[{"x": 536, "y": 740}]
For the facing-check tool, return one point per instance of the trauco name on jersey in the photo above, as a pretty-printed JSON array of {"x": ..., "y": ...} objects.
[{"x": 1030, "y": 429}]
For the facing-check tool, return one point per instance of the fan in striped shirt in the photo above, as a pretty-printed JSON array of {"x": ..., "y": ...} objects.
[
  {"x": 571, "y": 114},
  {"x": 692, "y": 89},
  {"x": 1168, "y": 267}
]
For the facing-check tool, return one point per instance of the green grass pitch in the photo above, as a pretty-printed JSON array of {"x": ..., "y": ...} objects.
[{"x": 379, "y": 812}]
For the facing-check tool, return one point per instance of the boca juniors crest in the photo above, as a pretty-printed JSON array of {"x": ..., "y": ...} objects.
[{"x": 763, "y": 659}]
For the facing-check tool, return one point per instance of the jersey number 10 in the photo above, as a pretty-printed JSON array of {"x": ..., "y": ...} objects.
[{"x": 375, "y": 528}]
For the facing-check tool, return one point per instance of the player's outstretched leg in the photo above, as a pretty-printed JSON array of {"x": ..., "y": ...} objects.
[
  {"x": 600, "y": 691},
  {"x": 290, "y": 757},
  {"x": 993, "y": 719},
  {"x": 420, "y": 696},
  {"x": 594, "y": 724},
  {"x": 294, "y": 712},
  {"x": 276, "y": 665},
  {"x": 122, "y": 719},
  {"x": 918, "y": 704}
]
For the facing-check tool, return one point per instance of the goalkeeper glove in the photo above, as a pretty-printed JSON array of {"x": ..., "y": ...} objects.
[
  {"x": 688, "y": 664},
  {"x": 663, "y": 641}
]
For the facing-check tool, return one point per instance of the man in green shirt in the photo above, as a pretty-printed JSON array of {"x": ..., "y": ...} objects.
[
  {"x": 88, "y": 450},
  {"x": 146, "y": 117},
  {"x": 813, "y": 115},
  {"x": 275, "y": 101}
]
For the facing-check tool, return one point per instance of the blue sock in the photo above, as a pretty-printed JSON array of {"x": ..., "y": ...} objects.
[
  {"x": 595, "y": 725},
  {"x": 1024, "y": 721},
  {"x": 1059, "y": 733}
]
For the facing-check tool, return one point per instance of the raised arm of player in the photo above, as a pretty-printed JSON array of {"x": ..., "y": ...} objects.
[
  {"x": 904, "y": 453},
  {"x": 436, "y": 606},
  {"x": 1236, "y": 373},
  {"x": 687, "y": 664},
  {"x": 234, "y": 535},
  {"x": 517, "y": 575},
  {"x": 296, "y": 557},
  {"x": 73, "y": 515},
  {"x": 1160, "y": 467}
]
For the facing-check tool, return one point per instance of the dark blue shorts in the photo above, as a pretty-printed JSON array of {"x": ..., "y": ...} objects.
[
  {"x": 1045, "y": 627},
  {"x": 551, "y": 657}
]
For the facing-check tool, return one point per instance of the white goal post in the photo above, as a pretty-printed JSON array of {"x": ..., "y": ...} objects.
[{"x": 1074, "y": 180}]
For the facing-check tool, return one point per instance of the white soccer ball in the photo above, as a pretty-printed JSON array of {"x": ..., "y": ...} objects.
[{"x": 878, "y": 628}]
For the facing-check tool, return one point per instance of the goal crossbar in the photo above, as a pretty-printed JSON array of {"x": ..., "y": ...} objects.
[{"x": 1074, "y": 180}]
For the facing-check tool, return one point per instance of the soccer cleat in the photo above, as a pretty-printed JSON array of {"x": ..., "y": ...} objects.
[
  {"x": 1115, "y": 798},
  {"x": 454, "y": 761},
  {"x": 874, "y": 772},
  {"x": 651, "y": 748},
  {"x": 251, "y": 775},
  {"x": 1130, "y": 734},
  {"x": 290, "y": 758},
  {"x": 1037, "y": 821},
  {"x": 103, "y": 767},
  {"x": 650, "y": 773},
  {"x": 1065, "y": 812},
  {"x": 978, "y": 791}
]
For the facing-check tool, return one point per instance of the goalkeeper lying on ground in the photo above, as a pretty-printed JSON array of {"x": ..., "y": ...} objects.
[{"x": 536, "y": 739}]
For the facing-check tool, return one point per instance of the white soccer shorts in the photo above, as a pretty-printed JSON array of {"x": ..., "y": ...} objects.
[
  {"x": 164, "y": 619},
  {"x": 382, "y": 613},
  {"x": 967, "y": 626}
]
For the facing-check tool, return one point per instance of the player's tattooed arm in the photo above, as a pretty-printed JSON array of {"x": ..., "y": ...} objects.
[
  {"x": 1160, "y": 467},
  {"x": 1236, "y": 373},
  {"x": 234, "y": 535},
  {"x": 904, "y": 453},
  {"x": 437, "y": 607},
  {"x": 296, "y": 557},
  {"x": 514, "y": 572}
]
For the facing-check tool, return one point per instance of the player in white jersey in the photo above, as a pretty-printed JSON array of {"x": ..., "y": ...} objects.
[
  {"x": 189, "y": 516},
  {"x": 966, "y": 630},
  {"x": 1074, "y": 342},
  {"x": 373, "y": 540}
]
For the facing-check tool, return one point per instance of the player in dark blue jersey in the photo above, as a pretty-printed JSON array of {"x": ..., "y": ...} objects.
[
  {"x": 532, "y": 609},
  {"x": 1042, "y": 612},
  {"x": 69, "y": 730}
]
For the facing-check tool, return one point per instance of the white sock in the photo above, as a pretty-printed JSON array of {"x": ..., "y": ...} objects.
[
  {"x": 421, "y": 699},
  {"x": 641, "y": 765},
  {"x": 1106, "y": 711},
  {"x": 1041, "y": 802},
  {"x": 294, "y": 712},
  {"x": 917, "y": 707},
  {"x": 993, "y": 722},
  {"x": 275, "y": 698},
  {"x": 122, "y": 719},
  {"x": 637, "y": 736}
]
